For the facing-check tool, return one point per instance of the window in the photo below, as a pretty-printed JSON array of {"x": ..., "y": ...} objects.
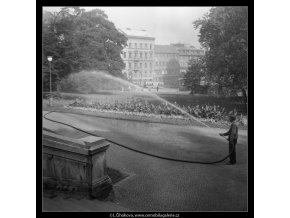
[
  {"x": 130, "y": 55},
  {"x": 150, "y": 46},
  {"x": 145, "y": 55},
  {"x": 145, "y": 45},
  {"x": 140, "y": 45},
  {"x": 150, "y": 55},
  {"x": 150, "y": 65},
  {"x": 141, "y": 54},
  {"x": 135, "y": 64},
  {"x": 136, "y": 54},
  {"x": 140, "y": 64},
  {"x": 129, "y": 65},
  {"x": 135, "y": 45},
  {"x": 130, "y": 44}
]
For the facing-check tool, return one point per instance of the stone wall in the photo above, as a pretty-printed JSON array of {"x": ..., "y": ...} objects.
[{"x": 75, "y": 164}]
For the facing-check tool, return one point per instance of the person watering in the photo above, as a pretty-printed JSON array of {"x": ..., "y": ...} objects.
[{"x": 232, "y": 138}]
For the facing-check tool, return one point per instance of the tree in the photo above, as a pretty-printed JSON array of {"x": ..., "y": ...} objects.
[
  {"x": 194, "y": 75},
  {"x": 81, "y": 40},
  {"x": 223, "y": 32},
  {"x": 173, "y": 70}
]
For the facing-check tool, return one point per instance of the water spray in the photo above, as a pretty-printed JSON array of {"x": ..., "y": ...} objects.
[{"x": 124, "y": 82}]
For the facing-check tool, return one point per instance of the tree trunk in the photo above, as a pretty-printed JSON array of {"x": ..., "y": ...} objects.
[
  {"x": 220, "y": 91},
  {"x": 245, "y": 99}
]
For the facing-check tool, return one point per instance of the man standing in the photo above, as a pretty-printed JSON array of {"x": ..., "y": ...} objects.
[{"x": 233, "y": 138}]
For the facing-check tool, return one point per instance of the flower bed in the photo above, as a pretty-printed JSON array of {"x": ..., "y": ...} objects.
[{"x": 140, "y": 107}]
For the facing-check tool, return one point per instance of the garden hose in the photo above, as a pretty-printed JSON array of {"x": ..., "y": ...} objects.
[{"x": 135, "y": 150}]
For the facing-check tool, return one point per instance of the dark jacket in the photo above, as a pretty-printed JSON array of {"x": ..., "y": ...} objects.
[{"x": 233, "y": 132}]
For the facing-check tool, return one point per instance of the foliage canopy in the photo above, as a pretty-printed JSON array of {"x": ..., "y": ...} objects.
[
  {"x": 81, "y": 40},
  {"x": 223, "y": 33}
]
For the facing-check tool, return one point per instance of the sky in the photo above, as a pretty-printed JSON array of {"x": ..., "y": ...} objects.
[{"x": 167, "y": 24}]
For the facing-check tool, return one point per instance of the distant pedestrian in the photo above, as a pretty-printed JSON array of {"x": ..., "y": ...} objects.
[
  {"x": 157, "y": 88},
  {"x": 232, "y": 138}
]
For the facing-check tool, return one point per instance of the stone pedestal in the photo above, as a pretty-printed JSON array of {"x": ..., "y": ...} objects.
[{"x": 75, "y": 164}]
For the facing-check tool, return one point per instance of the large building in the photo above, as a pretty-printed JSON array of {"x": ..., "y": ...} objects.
[
  {"x": 186, "y": 53},
  {"x": 138, "y": 56},
  {"x": 163, "y": 54}
]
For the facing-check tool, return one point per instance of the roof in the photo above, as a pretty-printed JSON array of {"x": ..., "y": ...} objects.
[
  {"x": 165, "y": 49},
  {"x": 183, "y": 45},
  {"x": 137, "y": 33}
]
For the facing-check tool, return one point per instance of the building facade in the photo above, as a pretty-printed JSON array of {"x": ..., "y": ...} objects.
[
  {"x": 163, "y": 54},
  {"x": 186, "y": 53},
  {"x": 138, "y": 56}
]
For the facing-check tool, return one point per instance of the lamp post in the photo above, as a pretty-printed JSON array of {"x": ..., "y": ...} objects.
[{"x": 49, "y": 58}]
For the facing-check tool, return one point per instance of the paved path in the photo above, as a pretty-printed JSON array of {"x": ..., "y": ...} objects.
[
  {"x": 61, "y": 204},
  {"x": 160, "y": 185}
]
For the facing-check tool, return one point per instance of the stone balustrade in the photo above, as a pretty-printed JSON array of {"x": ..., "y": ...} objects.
[{"x": 75, "y": 164}]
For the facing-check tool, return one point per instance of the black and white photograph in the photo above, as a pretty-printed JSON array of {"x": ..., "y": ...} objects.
[{"x": 144, "y": 109}]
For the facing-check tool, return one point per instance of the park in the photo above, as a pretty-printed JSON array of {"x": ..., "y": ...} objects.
[{"x": 112, "y": 144}]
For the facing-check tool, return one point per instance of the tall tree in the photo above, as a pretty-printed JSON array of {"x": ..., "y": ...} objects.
[
  {"x": 223, "y": 32},
  {"x": 172, "y": 76},
  {"x": 194, "y": 75},
  {"x": 81, "y": 40}
]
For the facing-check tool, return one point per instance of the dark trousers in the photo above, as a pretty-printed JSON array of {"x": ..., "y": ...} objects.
[{"x": 232, "y": 145}]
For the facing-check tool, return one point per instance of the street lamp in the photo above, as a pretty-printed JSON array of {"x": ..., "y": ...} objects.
[{"x": 49, "y": 58}]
